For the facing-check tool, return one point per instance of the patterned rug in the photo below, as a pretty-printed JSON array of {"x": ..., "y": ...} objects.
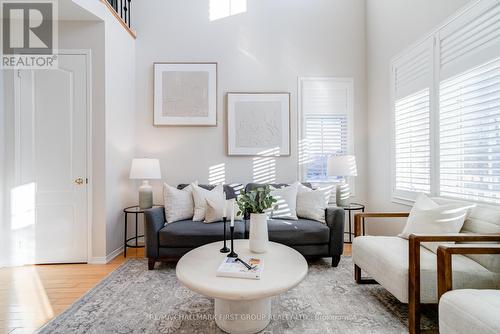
[{"x": 133, "y": 299}]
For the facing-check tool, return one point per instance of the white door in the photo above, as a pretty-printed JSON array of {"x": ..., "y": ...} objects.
[{"x": 51, "y": 160}]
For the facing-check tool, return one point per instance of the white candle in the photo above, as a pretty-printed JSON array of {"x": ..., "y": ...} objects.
[
  {"x": 232, "y": 212},
  {"x": 224, "y": 208}
]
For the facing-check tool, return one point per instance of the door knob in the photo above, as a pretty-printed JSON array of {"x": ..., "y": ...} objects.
[{"x": 79, "y": 181}]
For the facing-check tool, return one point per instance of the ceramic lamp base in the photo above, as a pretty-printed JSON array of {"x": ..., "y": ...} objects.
[
  {"x": 145, "y": 195},
  {"x": 343, "y": 194}
]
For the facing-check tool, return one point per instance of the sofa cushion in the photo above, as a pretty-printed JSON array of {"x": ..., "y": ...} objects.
[
  {"x": 470, "y": 311},
  {"x": 386, "y": 260},
  {"x": 187, "y": 233},
  {"x": 297, "y": 232}
]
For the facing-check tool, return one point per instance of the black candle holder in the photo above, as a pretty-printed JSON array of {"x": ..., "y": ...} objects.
[
  {"x": 232, "y": 254},
  {"x": 224, "y": 249}
]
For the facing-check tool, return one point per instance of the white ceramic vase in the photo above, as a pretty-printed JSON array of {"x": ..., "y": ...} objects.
[{"x": 259, "y": 238}]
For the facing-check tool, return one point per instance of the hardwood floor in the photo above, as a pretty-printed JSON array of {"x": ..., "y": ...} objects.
[{"x": 32, "y": 295}]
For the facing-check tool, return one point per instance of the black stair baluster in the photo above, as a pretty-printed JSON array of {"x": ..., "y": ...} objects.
[{"x": 129, "y": 24}]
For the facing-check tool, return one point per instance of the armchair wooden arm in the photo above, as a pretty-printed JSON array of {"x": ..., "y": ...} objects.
[
  {"x": 358, "y": 218},
  {"x": 414, "y": 267},
  {"x": 444, "y": 263}
]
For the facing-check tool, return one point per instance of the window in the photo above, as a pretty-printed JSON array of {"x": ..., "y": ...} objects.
[
  {"x": 412, "y": 141},
  {"x": 325, "y": 127},
  {"x": 447, "y": 110},
  {"x": 412, "y": 82},
  {"x": 469, "y": 134}
]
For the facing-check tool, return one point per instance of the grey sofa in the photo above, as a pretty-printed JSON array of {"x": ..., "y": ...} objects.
[{"x": 311, "y": 238}]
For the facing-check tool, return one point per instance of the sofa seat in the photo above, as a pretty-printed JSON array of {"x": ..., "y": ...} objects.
[
  {"x": 386, "y": 259},
  {"x": 297, "y": 232},
  {"x": 190, "y": 234},
  {"x": 470, "y": 311}
]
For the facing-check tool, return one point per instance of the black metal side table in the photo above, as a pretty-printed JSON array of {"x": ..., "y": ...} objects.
[
  {"x": 350, "y": 208},
  {"x": 133, "y": 210}
]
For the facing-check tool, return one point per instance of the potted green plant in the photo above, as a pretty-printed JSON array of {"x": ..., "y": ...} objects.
[{"x": 256, "y": 202}]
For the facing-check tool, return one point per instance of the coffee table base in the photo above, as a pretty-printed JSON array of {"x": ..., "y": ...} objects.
[{"x": 242, "y": 316}]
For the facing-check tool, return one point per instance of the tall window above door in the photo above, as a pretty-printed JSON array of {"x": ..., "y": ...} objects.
[{"x": 325, "y": 124}]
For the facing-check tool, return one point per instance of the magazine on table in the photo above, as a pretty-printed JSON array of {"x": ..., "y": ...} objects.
[{"x": 245, "y": 267}]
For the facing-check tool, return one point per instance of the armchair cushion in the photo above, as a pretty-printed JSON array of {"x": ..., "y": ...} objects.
[
  {"x": 470, "y": 311},
  {"x": 385, "y": 259}
]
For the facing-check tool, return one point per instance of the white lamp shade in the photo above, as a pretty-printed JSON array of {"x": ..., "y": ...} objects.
[
  {"x": 145, "y": 169},
  {"x": 342, "y": 165}
]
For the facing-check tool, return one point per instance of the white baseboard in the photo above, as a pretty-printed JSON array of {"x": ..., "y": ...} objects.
[
  {"x": 106, "y": 259},
  {"x": 114, "y": 254}
]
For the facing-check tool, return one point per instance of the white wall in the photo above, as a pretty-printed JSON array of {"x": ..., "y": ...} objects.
[
  {"x": 392, "y": 25},
  {"x": 3, "y": 216},
  {"x": 120, "y": 129},
  {"x": 263, "y": 49}
]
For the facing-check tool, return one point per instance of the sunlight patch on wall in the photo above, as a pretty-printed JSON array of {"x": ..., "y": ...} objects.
[
  {"x": 217, "y": 174},
  {"x": 264, "y": 166},
  {"x": 219, "y": 9}
]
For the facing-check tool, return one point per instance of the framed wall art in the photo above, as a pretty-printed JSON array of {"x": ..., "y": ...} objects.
[
  {"x": 258, "y": 123},
  {"x": 185, "y": 94}
]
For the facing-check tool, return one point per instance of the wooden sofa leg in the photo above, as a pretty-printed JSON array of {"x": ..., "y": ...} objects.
[
  {"x": 335, "y": 260},
  {"x": 151, "y": 263}
]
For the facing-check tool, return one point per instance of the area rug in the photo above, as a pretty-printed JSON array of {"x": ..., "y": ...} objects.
[{"x": 133, "y": 299}]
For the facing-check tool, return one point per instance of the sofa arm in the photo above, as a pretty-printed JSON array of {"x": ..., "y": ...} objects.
[
  {"x": 154, "y": 222},
  {"x": 335, "y": 220}
]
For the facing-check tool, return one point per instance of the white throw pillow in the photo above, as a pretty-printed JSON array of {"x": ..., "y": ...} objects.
[
  {"x": 428, "y": 217},
  {"x": 287, "y": 202},
  {"x": 311, "y": 204},
  {"x": 178, "y": 204},
  {"x": 215, "y": 209},
  {"x": 200, "y": 197}
]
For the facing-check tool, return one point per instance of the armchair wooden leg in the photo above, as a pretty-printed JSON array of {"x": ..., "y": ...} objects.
[
  {"x": 414, "y": 287},
  {"x": 357, "y": 274},
  {"x": 359, "y": 280},
  {"x": 151, "y": 263}
]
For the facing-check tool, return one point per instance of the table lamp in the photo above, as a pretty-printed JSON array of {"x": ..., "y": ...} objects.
[
  {"x": 342, "y": 165},
  {"x": 145, "y": 169}
]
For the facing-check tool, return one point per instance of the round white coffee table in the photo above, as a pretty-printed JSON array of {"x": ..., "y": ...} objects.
[{"x": 241, "y": 305}]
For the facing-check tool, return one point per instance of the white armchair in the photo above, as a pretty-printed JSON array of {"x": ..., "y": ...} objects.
[
  {"x": 409, "y": 271},
  {"x": 468, "y": 310}
]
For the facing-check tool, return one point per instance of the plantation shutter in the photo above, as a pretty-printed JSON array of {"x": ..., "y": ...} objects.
[
  {"x": 412, "y": 80},
  {"x": 325, "y": 116},
  {"x": 469, "y": 105}
]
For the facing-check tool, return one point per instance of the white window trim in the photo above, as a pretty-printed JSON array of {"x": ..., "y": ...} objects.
[
  {"x": 350, "y": 129},
  {"x": 406, "y": 197}
]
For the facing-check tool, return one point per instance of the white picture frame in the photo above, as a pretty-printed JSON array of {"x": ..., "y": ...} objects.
[
  {"x": 258, "y": 124},
  {"x": 185, "y": 94}
]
